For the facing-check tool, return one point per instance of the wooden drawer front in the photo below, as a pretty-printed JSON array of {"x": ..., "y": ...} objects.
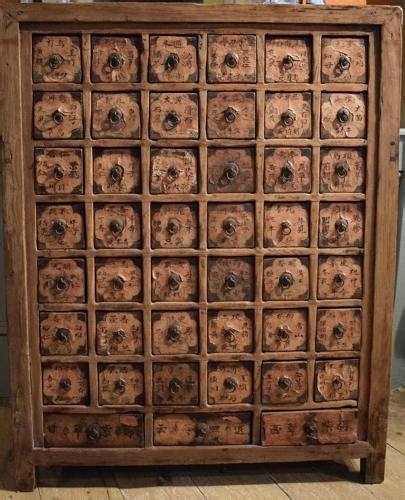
[
  {"x": 56, "y": 59},
  {"x": 63, "y": 333},
  {"x": 173, "y": 58},
  {"x": 120, "y": 384},
  {"x": 341, "y": 225},
  {"x": 286, "y": 225},
  {"x": 231, "y": 225},
  {"x": 174, "y": 225},
  {"x": 340, "y": 277},
  {"x": 173, "y": 115},
  {"x": 294, "y": 428},
  {"x": 284, "y": 382},
  {"x": 338, "y": 330},
  {"x": 65, "y": 384},
  {"x": 288, "y": 114},
  {"x": 336, "y": 380},
  {"x": 231, "y": 170},
  {"x": 285, "y": 330},
  {"x": 175, "y": 383},
  {"x": 343, "y": 170},
  {"x": 288, "y": 59},
  {"x": 116, "y": 115},
  {"x": 58, "y": 171},
  {"x": 118, "y": 280},
  {"x": 286, "y": 278},
  {"x": 231, "y": 58},
  {"x": 60, "y": 226},
  {"x": 115, "y": 59},
  {"x": 58, "y": 115},
  {"x": 230, "y": 331},
  {"x": 117, "y": 225},
  {"x": 202, "y": 429},
  {"x": 230, "y": 383},
  {"x": 116, "y": 171},
  {"x": 175, "y": 280},
  {"x": 175, "y": 332},
  {"x": 344, "y": 60},
  {"x": 230, "y": 279},
  {"x": 61, "y": 280},
  {"x": 343, "y": 116},
  {"x": 287, "y": 170},
  {"x": 231, "y": 115},
  {"x": 93, "y": 431},
  {"x": 173, "y": 171},
  {"x": 119, "y": 333}
]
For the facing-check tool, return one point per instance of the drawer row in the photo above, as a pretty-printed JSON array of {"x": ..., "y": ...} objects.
[
  {"x": 176, "y": 170},
  {"x": 175, "y": 115},
  {"x": 201, "y": 429},
  {"x": 176, "y": 279},
  {"x": 178, "y": 383}
]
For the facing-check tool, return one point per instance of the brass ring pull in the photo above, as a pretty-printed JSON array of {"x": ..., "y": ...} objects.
[
  {"x": 174, "y": 333},
  {"x": 62, "y": 335},
  {"x": 341, "y": 226},
  {"x": 201, "y": 430},
  {"x": 117, "y": 173},
  {"x": 284, "y": 383},
  {"x": 118, "y": 283},
  {"x": 231, "y": 59},
  {"x": 115, "y": 116},
  {"x": 171, "y": 121},
  {"x": 65, "y": 384},
  {"x": 173, "y": 172},
  {"x": 337, "y": 382},
  {"x": 172, "y": 61},
  {"x": 120, "y": 385},
  {"x": 119, "y": 336},
  {"x": 230, "y": 384},
  {"x": 287, "y": 173},
  {"x": 229, "y": 226},
  {"x": 93, "y": 432},
  {"x": 342, "y": 169},
  {"x": 174, "y": 281},
  {"x": 61, "y": 284},
  {"x": 175, "y": 385},
  {"x": 116, "y": 227},
  {"x": 230, "y": 335},
  {"x": 310, "y": 429},
  {"x": 339, "y": 280},
  {"x": 344, "y": 63},
  {"x": 115, "y": 60},
  {"x": 231, "y": 281},
  {"x": 59, "y": 227},
  {"x": 288, "y": 61},
  {"x": 55, "y": 61},
  {"x": 231, "y": 171},
  {"x": 283, "y": 333},
  {"x": 58, "y": 172},
  {"x": 173, "y": 226},
  {"x": 286, "y": 228},
  {"x": 231, "y": 114},
  {"x": 338, "y": 331},
  {"x": 58, "y": 117},
  {"x": 343, "y": 115},
  {"x": 286, "y": 280},
  {"x": 288, "y": 117}
]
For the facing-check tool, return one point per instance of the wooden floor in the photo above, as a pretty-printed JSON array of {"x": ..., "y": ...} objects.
[{"x": 316, "y": 480}]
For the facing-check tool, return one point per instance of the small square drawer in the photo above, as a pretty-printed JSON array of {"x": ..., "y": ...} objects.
[
  {"x": 120, "y": 384},
  {"x": 175, "y": 332},
  {"x": 285, "y": 330},
  {"x": 343, "y": 170},
  {"x": 58, "y": 115},
  {"x": 116, "y": 171},
  {"x": 115, "y": 59},
  {"x": 340, "y": 277},
  {"x": 174, "y": 225},
  {"x": 231, "y": 170},
  {"x": 341, "y": 225},
  {"x": 231, "y": 225},
  {"x": 173, "y": 171},
  {"x": 295, "y": 428},
  {"x": 117, "y": 225},
  {"x": 61, "y": 280},
  {"x": 284, "y": 382},
  {"x": 336, "y": 380},
  {"x": 175, "y": 279},
  {"x": 344, "y": 60},
  {"x": 175, "y": 383},
  {"x": 58, "y": 171},
  {"x": 116, "y": 115},
  {"x": 202, "y": 429},
  {"x": 338, "y": 330},
  {"x": 230, "y": 331},
  {"x": 93, "y": 431},
  {"x": 63, "y": 333},
  {"x": 173, "y": 58},
  {"x": 173, "y": 115},
  {"x": 286, "y": 278},
  {"x": 119, "y": 333},
  {"x": 231, "y": 58},
  {"x": 286, "y": 225},
  {"x": 231, "y": 115},
  {"x": 60, "y": 226},
  {"x": 118, "y": 280},
  {"x": 288, "y": 59},
  {"x": 65, "y": 384},
  {"x": 56, "y": 59},
  {"x": 288, "y": 115},
  {"x": 287, "y": 170},
  {"x": 231, "y": 279},
  {"x": 230, "y": 383},
  {"x": 343, "y": 116}
]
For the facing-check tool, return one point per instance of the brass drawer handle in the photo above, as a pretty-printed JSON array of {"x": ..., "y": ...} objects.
[
  {"x": 338, "y": 331},
  {"x": 118, "y": 283},
  {"x": 342, "y": 169},
  {"x": 231, "y": 114},
  {"x": 115, "y": 116},
  {"x": 58, "y": 117},
  {"x": 116, "y": 227},
  {"x": 286, "y": 280},
  {"x": 174, "y": 281},
  {"x": 58, "y": 172},
  {"x": 115, "y": 60},
  {"x": 230, "y": 281},
  {"x": 174, "y": 333},
  {"x": 343, "y": 115},
  {"x": 286, "y": 228},
  {"x": 55, "y": 61},
  {"x": 173, "y": 226},
  {"x": 201, "y": 430},
  {"x": 230, "y": 384},
  {"x": 93, "y": 432},
  {"x": 230, "y": 335},
  {"x": 120, "y": 385},
  {"x": 118, "y": 336},
  {"x": 288, "y": 61},
  {"x": 173, "y": 172},
  {"x": 344, "y": 63},
  {"x": 61, "y": 284},
  {"x": 62, "y": 335},
  {"x": 283, "y": 333},
  {"x": 59, "y": 227},
  {"x": 284, "y": 383},
  {"x": 117, "y": 173},
  {"x": 311, "y": 429},
  {"x": 231, "y": 59},
  {"x": 175, "y": 385},
  {"x": 337, "y": 382},
  {"x": 231, "y": 171},
  {"x": 339, "y": 280},
  {"x": 172, "y": 61},
  {"x": 287, "y": 173},
  {"x": 172, "y": 119},
  {"x": 288, "y": 117},
  {"x": 65, "y": 384},
  {"x": 229, "y": 226},
  {"x": 341, "y": 226}
]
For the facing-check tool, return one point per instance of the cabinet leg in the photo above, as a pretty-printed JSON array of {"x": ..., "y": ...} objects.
[
  {"x": 373, "y": 468},
  {"x": 24, "y": 475}
]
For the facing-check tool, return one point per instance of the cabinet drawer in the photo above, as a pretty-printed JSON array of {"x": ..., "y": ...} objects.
[
  {"x": 230, "y": 279},
  {"x": 288, "y": 115},
  {"x": 116, "y": 171},
  {"x": 286, "y": 225},
  {"x": 63, "y": 333},
  {"x": 286, "y": 278},
  {"x": 340, "y": 277},
  {"x": 231, "y": 115},
  {"x": 315, "y": 427},
  {"x": 173, "y": 171},
  {"x": 231, "y": 225},
  {"x": 117, "y": 225},
  {"x": 175, "y": 332},
  {"x": 202, "y": 429},
  {"x": 287, "y": 170},
  {"x": 285, "y": 330},
  {"x": 338, "y": 330},
  {"x": 118, "y": 280},
  {"x": 230, "y": 331},
  {"x": 61, "y": 280},
  {"x": 288, "y": 59},
  {"x": 284, "y": 382},
  {"x": 175, "y": 383},
  {"x": 337, "y": 380},
  {"x": 60, "y": 226},
  {"x": 93, "y": 431},
  {"x": 343, "y": 116},
  {"x": 175, "y": 280},
  {"x": 119, "y": 333},
  {"x": 65, "y": 384},
  {"x": 174, "y": 225},
  {"x": 116, "y": 115},
  {"x": 120, "y": 384},
  {"x": 58, "y": 171},
  {"x": 343, "y": 170},
  {"x": 344, "y": 60},
  {"x": 341, "y": 224},
  {"x": 231, "y": 170},
  {"x": 173, "y": 58},
  {"x": 173, "y": 115},
  {"x": 230, "y": 383}
]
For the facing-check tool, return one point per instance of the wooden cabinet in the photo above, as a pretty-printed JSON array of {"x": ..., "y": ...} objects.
[{"x": 200, "y": 207}]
